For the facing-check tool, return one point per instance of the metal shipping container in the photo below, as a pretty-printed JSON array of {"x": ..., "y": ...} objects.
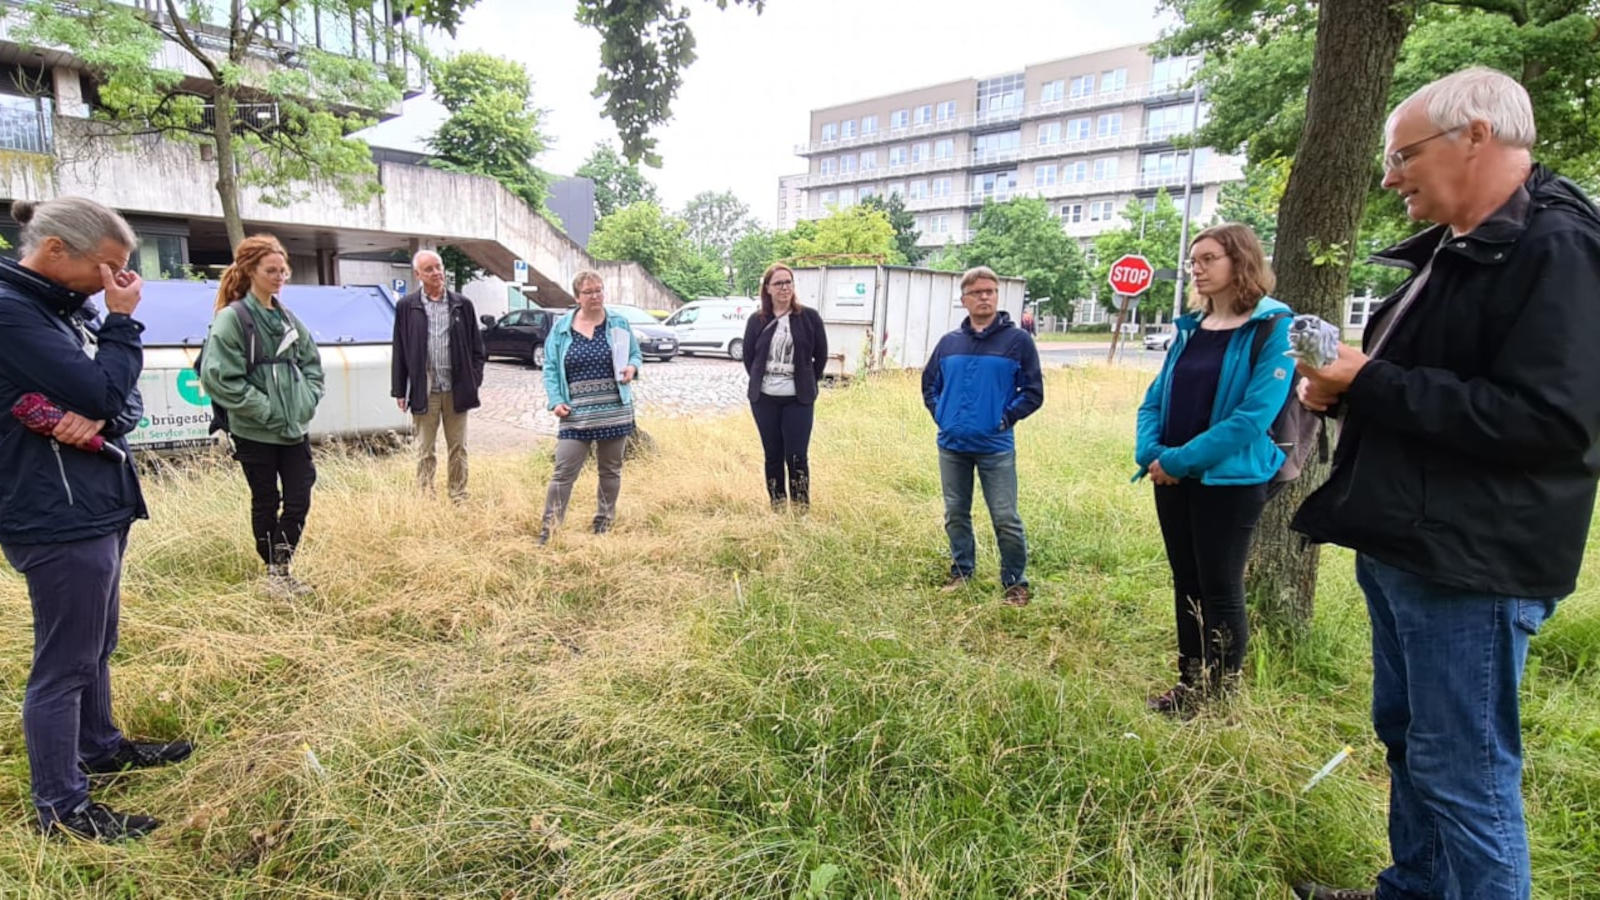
[{"x": 889, "y": 317}]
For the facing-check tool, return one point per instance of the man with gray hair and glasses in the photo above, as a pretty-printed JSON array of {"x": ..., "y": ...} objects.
[{"x": 1465, "y": 473}]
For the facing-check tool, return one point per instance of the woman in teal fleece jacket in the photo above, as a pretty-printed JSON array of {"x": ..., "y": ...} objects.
[{"x": 1203, "y": 439}]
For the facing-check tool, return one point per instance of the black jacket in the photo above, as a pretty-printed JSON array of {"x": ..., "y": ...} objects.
[
  {"x": 49, "y": 492},
  {"x": 408, "y": 364},
  {"x": 1468, "y": 454},
  {"x": 810, "y": 346}
]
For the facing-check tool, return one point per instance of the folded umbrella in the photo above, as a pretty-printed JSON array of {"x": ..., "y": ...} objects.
[{"x": 40, "y": 416}]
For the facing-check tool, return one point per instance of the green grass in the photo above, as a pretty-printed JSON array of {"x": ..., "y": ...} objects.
[
  {"x": 716, "y": 702},
  {"x": 1073, "y": 337}
]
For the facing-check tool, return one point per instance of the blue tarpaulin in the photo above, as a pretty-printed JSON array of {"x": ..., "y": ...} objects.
[{"x": 177, "y": 313}]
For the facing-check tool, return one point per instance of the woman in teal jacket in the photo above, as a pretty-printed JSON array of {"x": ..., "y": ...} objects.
[
  {"x": 1203, "y": 439},
  {"x": 591, "y": 358}
]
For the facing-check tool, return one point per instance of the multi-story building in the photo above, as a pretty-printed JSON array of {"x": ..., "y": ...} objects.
[{"x": 1087, "y": 133}]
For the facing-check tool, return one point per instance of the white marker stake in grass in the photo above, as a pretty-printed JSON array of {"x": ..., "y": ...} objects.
[{"x": 1322, "y": 773}]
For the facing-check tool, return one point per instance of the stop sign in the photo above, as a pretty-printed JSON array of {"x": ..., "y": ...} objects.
[{"x": 1131, "y": 274}]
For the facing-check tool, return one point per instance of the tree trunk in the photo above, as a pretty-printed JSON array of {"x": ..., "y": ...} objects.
[
  {"x": 227, "y": 178},
  {"x": 1358, "y": 42}
]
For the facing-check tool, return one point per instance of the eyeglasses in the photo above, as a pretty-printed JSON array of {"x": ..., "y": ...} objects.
[
  {"x": 1202, "y": 262},
  {"x": 276, "y": 273},
  {"x": 1394, "y": 162},
  {"x": 981, "y": 293},
  {"x": 591, "y": 292},
  {"x": 780, "y": 284}
]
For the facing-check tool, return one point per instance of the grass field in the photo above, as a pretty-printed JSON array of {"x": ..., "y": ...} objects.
[{"x": 716, "y": 702}]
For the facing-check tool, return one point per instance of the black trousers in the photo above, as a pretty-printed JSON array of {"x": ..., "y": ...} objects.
[
  {"x": 785, "y": 427},
  {"x": 267, "y": 467},
  {"x": 1207, "y": 530}
]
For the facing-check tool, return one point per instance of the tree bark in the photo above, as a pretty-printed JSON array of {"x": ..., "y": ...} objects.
[
  {"x": 1358, "y": 42},
  {"x": 227, "y": 177}
]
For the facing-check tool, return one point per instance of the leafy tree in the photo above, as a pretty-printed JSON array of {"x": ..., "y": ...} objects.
[
  {"x": 1153, "y": 234},
  {"x": 645, "y": 46},
  {"x": 906, "y": 234},
  {"x": 717, "y": 220},
  {"x": 751, "y": 256},
  {"x": 857, "y": 235},
  {"x": 617, "y": 182},
  {"x": 493, "y": 127},
  {"x": 1019, "y": 238},
  {"x": 659, "y": 242},
  {"x": 1254, "y": 201},
  {"x": 946, "y": 259},
  {"x": 276, "y": 128}
]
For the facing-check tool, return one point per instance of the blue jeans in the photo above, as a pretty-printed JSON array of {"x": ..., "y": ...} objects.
[
  {"x": 1446, "y": 665},
  {"x": 998, "y": 472},
  {"x": 66, "y": 712}
]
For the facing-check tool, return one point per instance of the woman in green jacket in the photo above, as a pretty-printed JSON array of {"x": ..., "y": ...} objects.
[{"x": 262, "y": 366}]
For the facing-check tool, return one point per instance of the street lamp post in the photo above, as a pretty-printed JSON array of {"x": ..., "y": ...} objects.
[{"x": 1183, "y": 231}]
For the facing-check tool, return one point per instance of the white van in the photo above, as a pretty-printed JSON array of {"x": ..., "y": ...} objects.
[{"x": 712, "y": 326}]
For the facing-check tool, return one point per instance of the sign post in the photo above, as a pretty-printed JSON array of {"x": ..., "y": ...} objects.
[{"x": 1130, "y": 276}]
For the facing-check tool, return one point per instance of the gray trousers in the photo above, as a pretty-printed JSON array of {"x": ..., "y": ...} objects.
[{"x": 570, "y": 457}]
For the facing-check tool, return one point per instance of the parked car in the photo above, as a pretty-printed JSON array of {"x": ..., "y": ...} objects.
[
  {"x": 1158, "y": 340},
  {"x": 712, "y": 326},
  {"x": 656, "y": 341},
  {"x": 518, "y": 334}
]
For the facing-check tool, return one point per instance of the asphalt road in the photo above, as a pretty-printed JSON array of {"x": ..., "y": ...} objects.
[{"x": 1068, "y": 354}]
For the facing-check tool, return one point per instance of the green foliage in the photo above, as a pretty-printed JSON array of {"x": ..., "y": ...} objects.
[
  {"x": 1020, "y": 238},
  {"x": 493, "y": 128},
  {"x": 906, "y": 234},
  {"x": 1254, "y": 201},
  {"x": 460, "y": 267},
  {"x": 946, "y": 259},
  {"x": 617, "y": 182},
  {"x": 1161, "y": 228},
  {"x": 751, "y": 256},
  {"x": 645, "y": 46},
  {"x": 717, "y": 220},
  {"x": 641, "y": 232},
  {"x": 857, "y": 235}
]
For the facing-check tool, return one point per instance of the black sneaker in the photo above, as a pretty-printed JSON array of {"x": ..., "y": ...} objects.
[
  {"x": 1307, "y": 890},
  {"x": 601, "y": 526},
  {"x": 139, "y": 755},
  {"x": 1181, "y": 702},
  {"x": 98, "y": 822}
]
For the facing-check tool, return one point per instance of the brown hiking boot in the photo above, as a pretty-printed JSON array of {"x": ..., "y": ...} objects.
[
  {"x": 954, "y": 583},
  {"x": 1017, "y": 595}
]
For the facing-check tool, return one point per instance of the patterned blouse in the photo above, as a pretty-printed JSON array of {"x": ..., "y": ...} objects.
[{"x": 598, "y": 413}]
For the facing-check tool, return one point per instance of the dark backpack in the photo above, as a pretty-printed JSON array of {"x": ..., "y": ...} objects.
[
  {"x": 253, "y": 356},
  {"x": 1295, "y": 429}
]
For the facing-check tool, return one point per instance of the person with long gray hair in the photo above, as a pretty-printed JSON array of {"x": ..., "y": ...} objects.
[
  {"x": 1465, "y": 473},
  {"x": 65, "y": 506},
  {"x": 591, "y": 358}
]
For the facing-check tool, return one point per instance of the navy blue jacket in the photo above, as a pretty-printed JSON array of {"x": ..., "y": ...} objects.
[
  {"x": 51, "y": 493},
  {"x": 978, "y": 384}
]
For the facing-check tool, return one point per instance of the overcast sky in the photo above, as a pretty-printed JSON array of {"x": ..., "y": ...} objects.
[{"x": 745, "y": 102}]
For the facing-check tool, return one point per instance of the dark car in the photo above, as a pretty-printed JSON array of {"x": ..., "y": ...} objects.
[
  {"x": 656, "y": 341},
  {"x": 519, "y": 334}
]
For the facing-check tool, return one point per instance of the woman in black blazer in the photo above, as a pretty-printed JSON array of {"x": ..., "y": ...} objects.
[{"x": 786, "y": 348}]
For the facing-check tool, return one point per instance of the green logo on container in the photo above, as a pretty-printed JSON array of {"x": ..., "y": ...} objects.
[
  {"x": 191, "y": 390},
  {"x": 861, "y": 288}
]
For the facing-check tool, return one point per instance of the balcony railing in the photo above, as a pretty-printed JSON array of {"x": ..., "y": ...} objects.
[
  {"x": 1154, "y": 92},
  {"x": 26, "y": 124}
]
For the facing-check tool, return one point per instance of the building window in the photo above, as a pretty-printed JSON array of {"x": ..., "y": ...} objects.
[
  {"x": 1109, "y": 124},
  {"x": 869, "y": 160},
  {"x": 944, "y": 148},
  {"x": 869, "y": 125},
  {"x": 917, "y": 189},
  {"x": 897, "y": 155},
  {"x": 1167, "y": 121},
  {"x": 919, "y": 151},
  {"x": 1000, "y": 96},
  {"x": 996, "y": 146},
  {"x": 1075, "y": 172},
  {"x": 869, "y": 190},
  {"x": 1052, "y": 91},
  {"x": 1072, "y": 213},
  {"x": 1078, "y": 129},
  {"x": 1171, "y": 167},
  {"x": 830, "y": 131},
  {"x": 829, "y": 165},
  {"x": 1082, "y": 86},
  {"x": 1113, "y": 80},
  {"x": 159, "y": 256},
  {"x": 1105, "y": 168},
  {"x": 847, "y": 163},
  {"x": 900, "y": 118},
  {"x": 895, "y": 189},
  {"x": 947, "y": 110},
  {"x": 994, "y": 185},
  {"x": 829, "y": 198},
  {"x": 1044, "y": 176},
  {"x": 1170, "y": 74},
  {"x": 925, "y": 114},
  {"x": 1050, "y": 133},
  {"x": 847, "y": 197},
  {"x": 941, "y": 186},
  {"x": 26, "y": 124},
  {"x": 847, "y": 129},
  {"x": 1100, "y": 211}
]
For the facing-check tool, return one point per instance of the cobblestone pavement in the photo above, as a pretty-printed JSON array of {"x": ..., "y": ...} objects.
[{"x": 513, "y": 414}]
